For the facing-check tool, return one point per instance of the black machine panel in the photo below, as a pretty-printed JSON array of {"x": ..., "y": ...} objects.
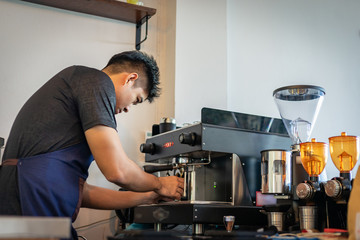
[
  {"x": 212, "y": 138},
  {"x": 198, "y": 213}
]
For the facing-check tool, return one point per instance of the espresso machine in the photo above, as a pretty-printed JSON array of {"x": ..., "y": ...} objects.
[
  {"x": 298, "y": 106},
  {"x": 219, "y": 159},
  {"x": 344, "y": 151}
]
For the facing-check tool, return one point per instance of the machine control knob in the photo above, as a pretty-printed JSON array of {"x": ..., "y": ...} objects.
[
  {"x": 147, "y": 148},
  {"x": 188, "y": 138},
  {"x": 333, "y": 188},
  {"x": 304, "y": 191}
]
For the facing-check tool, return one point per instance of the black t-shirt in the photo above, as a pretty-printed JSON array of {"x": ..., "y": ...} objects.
[{"x": 58, "y": 114}]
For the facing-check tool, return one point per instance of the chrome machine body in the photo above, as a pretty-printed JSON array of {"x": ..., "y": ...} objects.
[{"x": 220, "y": 159}]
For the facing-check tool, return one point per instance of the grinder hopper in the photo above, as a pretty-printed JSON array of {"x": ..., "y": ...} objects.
[{"x": 299, "y": 107}]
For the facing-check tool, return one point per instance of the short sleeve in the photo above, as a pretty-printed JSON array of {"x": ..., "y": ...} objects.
[{"x": 94, "y": 96}]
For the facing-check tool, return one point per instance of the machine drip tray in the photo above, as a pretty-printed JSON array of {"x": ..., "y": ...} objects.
[
  {"x": 199, "y": 214},
  {"x": 173, "y": 235}
]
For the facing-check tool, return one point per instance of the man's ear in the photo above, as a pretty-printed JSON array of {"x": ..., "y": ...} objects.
[{"x": 131, "y": 78}]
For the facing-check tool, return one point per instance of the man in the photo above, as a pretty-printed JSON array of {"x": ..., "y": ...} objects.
[{"x": 66, "y": 124}]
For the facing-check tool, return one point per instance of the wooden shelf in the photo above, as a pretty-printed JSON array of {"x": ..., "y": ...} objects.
[{"x": 106, "y": 8}]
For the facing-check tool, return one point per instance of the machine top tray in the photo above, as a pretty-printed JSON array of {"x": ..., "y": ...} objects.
[{"x": 243, "y": 121}]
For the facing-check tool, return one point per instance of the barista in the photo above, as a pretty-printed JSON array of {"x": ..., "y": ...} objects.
[{"x": 66, "y": 124}]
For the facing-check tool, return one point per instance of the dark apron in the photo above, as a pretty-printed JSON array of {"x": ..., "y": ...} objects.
[{"x": 51, "y": 184}]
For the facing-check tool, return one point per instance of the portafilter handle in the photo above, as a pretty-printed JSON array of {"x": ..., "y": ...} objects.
[{"x": 158, "y": 168}]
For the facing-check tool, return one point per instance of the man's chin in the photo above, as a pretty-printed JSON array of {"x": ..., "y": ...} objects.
[{"x": 121, "y": 111}]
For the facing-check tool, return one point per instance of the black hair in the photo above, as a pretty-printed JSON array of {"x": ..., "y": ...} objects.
[{"x": 140, "y": 62}]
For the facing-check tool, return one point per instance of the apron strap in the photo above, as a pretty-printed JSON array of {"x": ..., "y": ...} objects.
[
  {"x": 81, "y": 187},
  {"x": 10, "y": 161}
]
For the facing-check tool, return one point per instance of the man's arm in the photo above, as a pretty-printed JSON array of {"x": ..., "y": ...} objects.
[
  {"x": 113, "y": 162},
  {"x": 107, "y": 199}
]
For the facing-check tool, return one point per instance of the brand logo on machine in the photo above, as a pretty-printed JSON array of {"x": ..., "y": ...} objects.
[{"x": 168, "y": 144}]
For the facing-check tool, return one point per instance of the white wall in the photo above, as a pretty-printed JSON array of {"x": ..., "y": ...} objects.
[
  {"x": 201, "y": 69},
  {"x": 39, "y": 41},
  {"x": 237, "y": 62},
  {"x": 278, "y": 43}
]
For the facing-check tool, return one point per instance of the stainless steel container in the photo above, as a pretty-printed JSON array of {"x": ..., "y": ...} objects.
[
  {"x": 308, "y": 217},
  {"x": 275, "y": 171},
  {"x": 276, "y": 219}
]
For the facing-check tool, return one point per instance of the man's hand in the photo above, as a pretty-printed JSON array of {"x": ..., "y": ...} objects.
[
  {"x": 107, "y": 199},
  {"x": 171, "y": 187}
]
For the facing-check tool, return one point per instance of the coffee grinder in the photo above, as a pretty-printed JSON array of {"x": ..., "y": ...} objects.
[
  {"x": 312, "y": 208},
  {"x": 299, "y": 106},
  {"x": 344, "y": 151}
]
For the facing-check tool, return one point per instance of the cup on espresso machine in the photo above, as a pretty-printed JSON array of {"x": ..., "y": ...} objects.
[{"x": 167, "y": 124}]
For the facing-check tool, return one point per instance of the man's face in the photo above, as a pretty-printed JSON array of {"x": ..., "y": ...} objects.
[{"x": 129, "y": 94}]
